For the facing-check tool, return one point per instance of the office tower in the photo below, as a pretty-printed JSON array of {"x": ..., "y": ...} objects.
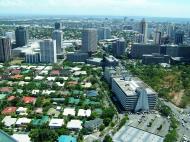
[
  {"x": 179, "y": 37},
  {"x": 104, "y": 33},
  {"x": 143, "y": 29},
  {"x": 132, "y": 93},
  {"x": 171, "y": 31},
  {"x": 118, "y": 48},
  {"x": 58, "y": 26},
  {"x": 10, "y": 35},
  {"x": 157, "y": 37},
  {"x": 89, "y": 40},
  {"x": 21, "y": 34},
  {"x": 57, "y": 35},
  {"x": 48, "y": 51},
  {"x": 5, "y": 49}
]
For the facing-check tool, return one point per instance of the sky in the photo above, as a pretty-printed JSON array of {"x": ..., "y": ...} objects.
[{"x": 150, "y": 8}]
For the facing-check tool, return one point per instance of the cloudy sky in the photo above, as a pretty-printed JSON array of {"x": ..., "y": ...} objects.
[{"x": 156, "y": 8}]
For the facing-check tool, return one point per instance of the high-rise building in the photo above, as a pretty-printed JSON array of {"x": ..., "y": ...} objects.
[
  {"x": 21, "y": 34},
  {"x": 118, "y": 48},
  {"x": 179, "y": 37},
  {"x": 48, "y": 51},
  {"x": 5, "y": 49},
  {"x": 104, "y": 33},
  {"x": 157, "y": 37},
  {"x": 57, "y": 35},
  {"x": 10, "y": 35},
  {"x": 58, "y": 26},
  {"x": 143, "y": 29},
  {"x": 89, "y": 40}
]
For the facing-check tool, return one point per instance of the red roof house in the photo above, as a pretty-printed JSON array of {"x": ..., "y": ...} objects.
[
  {"x": 9, "y": 110},
  {"x": 29, "y": 100}
]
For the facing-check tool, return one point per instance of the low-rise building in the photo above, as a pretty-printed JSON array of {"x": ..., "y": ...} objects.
[
  {"x": 22, "y": 111},
  {"x": 77, "y": 57},
  {"x": 23, "y": 121},
  {"x": 84, "y": 113},
  {"x": 93, "y": 124},
  {"x": 9, "y": 121},
  {"x": 69, "y": 111},
  {"x": 56, "y": 123},
  {"x": 155, "y": 58},
  {"x": 74, "y": 124},
  {"x": 21, "y": 137}
]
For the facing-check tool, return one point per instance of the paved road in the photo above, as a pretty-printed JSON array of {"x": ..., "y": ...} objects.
[{"x": 184, "y": 128}]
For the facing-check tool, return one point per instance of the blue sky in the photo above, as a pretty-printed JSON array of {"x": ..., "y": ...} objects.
[{"x": 155, "y": 8}]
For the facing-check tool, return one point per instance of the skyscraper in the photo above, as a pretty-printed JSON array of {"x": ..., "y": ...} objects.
[
  {"x": 10, "y": 35},
  {"x": 57, "y": 35},
  {"x": 179, "y": 37},
  {"x": 157, "y": 37},
  {"x": 5, "y": 49},
  {"x": 118, "y": 48},
  {"x": 21, "y": 34},
  {"x": 58, "y": 26},
  {"x": 143, "y": 29},
  {"x": 48, "y": 51},
  {"x": 89, "y": 40},
  {"x": 104, "y": 33}
]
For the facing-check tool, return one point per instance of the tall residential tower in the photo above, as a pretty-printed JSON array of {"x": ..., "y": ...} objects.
[
  {"x": 143, "y": 29},
  {"x": 48, "y": 51},
  {"x": 5, "y": 49},
  {"x": 57, "y": 35},
  {"x": 21, "y": 35},
  {"x": 89, "y": 40}
]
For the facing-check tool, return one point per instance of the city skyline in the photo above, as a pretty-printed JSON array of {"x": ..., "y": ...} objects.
[{"x": 156, "y": 8}]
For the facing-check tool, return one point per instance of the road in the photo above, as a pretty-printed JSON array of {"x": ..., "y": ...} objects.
[{"x": 184, "y": 127}]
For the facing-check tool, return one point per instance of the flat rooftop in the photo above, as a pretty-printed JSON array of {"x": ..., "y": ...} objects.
[
  {"x": 129, "y": 86},
  {"x": 131, "y": 134}
]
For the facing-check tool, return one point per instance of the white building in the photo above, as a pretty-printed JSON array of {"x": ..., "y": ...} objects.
[
  {"x": 84, "y": 113},
  {"x": 22, "y": 111},
  {"x": 48, "y": 51},
  {"x": 21, "y": 137},
  {"x": 56, "y": 123},
  {"x": 69, "y": 111},
  {"x": 23, "y": 121},
  {"x": 57, "y": 35},
  {"x": 9, "y": 121},
  {"x": 74, "y": 124}
]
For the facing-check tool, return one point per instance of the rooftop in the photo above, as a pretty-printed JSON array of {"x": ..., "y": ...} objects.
[
  {"x": 84, "y": 113},
  {"x": 129, "y": 86},
  {"x": 9, "y": 121},
  {"x": 74, "y": 124},
  {"x": 69, "y": 111},
  {"x": 65, "y": 138},
  {"x": 38, "y": 122},
  {"x": 5, "y": 137},
  {"x": 28, "y": 100},
  {"x": 9, "y": 110},
  {"x": 56, "y": 123},
  {"x": 131, "y": 134},
  {"x": 21, "y": 137},
  {"x": 23, "y": 120}
]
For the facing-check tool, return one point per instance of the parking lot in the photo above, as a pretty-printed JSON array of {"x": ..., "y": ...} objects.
[{"x": 153, "y": 123}]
